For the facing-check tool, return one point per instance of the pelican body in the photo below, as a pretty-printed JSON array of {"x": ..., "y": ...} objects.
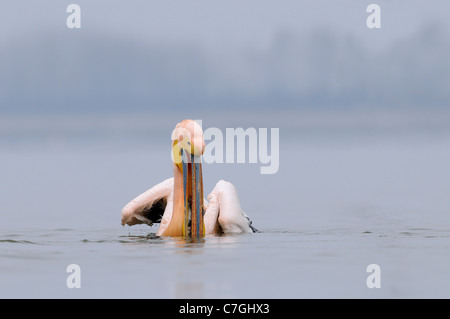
[{"x": 178, "y": 203}]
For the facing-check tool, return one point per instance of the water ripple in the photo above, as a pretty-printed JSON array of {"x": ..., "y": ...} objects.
[{"x": 13, "y": 241}]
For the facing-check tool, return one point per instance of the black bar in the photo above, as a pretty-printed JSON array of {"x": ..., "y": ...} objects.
[{"x": 223, "y": 308}]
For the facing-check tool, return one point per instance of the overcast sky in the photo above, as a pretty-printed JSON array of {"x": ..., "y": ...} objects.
[
  {"x": 213, "y": 24},
  {"x": 246, "y": 53}
]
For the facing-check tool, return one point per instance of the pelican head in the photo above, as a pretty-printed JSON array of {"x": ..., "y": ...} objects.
[
  {"x": 188, "y": 135},
  {"x": 188, "y": 146}
]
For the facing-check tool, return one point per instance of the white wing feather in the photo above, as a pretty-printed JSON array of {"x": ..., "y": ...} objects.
[
  {"x": 225, "y": 208},
  {"x": 132, "y": 213}
]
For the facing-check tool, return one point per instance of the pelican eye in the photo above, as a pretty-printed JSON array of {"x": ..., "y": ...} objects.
[{"x": 189, "y": 143}]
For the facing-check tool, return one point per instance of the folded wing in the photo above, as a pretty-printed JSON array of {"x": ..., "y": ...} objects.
[
  {"x": 150, "y": 206},
  {"x": 224, "y": 213}
]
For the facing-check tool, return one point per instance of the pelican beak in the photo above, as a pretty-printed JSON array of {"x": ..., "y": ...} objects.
[{"x": 194, "y": 226}]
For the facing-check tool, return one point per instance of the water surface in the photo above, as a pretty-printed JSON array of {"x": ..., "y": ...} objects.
[{"x": 348, "y": 194}]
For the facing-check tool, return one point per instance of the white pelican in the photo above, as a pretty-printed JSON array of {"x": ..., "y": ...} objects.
[{"x": 175, "y": 203}]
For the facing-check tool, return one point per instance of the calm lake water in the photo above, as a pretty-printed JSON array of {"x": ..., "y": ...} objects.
[{"x": 349, "y": 193}]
